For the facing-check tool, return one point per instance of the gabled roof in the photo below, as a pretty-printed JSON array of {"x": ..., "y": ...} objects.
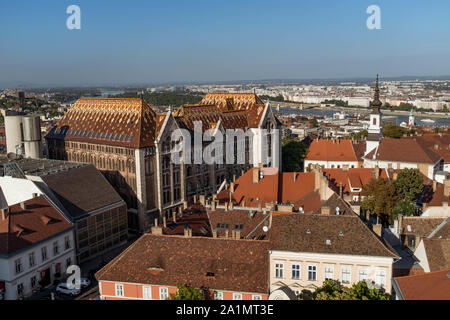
[
  {"x": 22, "y": 228},
  {"x": 403, "y": 150},
  {"x": 428, "y": 286},
  {"x": 420, "y": 226},
  {"x": 236, "y": 265},
  {"x": 438, "y": 253},
  {"x": 331, "y": 150},
  {"x": 309, "y": 233},
  {"x": 111, "y": 121},
  {"x": 195, "y": 217}
]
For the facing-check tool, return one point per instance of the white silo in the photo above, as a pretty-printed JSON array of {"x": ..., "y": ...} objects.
[
  {"x": 13, "y": 132},
  {"x": 32, "y": 136}
]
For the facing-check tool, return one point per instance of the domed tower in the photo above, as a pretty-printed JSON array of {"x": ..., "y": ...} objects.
[
  {"x": 411, "y": 118},
  {"x": 375, "y": 128}
]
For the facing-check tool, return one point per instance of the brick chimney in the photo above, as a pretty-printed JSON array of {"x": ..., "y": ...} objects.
[
  {"x": 187, "y": 231},
  {"x": 376, "y": 172},
  {"x": 434, "y": 185},
  {"x": 157, "y": 230},
  {"x": 255, "y": 175},
  {"x": 325, "y": 210},
  {"x": 378, "y": 229},
  {"x": 5, "y": 212},
  {"x": 23, "y": 205},
  {"x": 341, "y": 191},
  {"x": 446, "y": 187}
]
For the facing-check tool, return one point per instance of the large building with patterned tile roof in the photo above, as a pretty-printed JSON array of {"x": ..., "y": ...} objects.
[{"x": 132, "y": 146}]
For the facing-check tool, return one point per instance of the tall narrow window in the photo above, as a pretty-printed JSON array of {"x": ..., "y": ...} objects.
[
  {"x": 163, "y": 293},
  {"x": 329, "y": 272},
  {"x": 312, "y": 273},
  {"x": 279, "y": 270},
  {"x": 346, "y": 274},
  {"x": 295, "y": 271},
  {"x": 362, "y": 274},
  {"x": 119, "y": 290}
]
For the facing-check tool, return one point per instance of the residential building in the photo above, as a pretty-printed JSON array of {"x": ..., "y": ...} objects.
[
  {"x": 430, "y": 286},
  {"x": 37, "y": 244}
]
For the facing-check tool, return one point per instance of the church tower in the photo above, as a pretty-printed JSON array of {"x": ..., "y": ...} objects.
[
  {"x": 375, "y": 128},
  {"x": 411, "y": 118}
]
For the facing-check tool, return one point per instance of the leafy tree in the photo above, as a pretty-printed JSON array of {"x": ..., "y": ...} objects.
[
  {"x": 380, "y": 197},
  {"x": 293, "y": 153},
  {"x": 314, "y": 123},
  {"x": 185, "y": 292},
  {"x": 333, "y": 290},
  {"x": 391, "y": 130},
  {"x": 404, "y": 207},
  {"x": 409, "y": 184},
  {"x": 445, "y": 108},
  {"x": 361, "y": 134}
]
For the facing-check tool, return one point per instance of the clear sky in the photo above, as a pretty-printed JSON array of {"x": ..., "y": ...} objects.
[{"x": 154, "y": 41}]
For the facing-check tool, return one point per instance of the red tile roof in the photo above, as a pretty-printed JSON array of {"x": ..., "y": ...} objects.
[
  {"x": 237, "y": 265},
  {"x": 403, "y": 150},
  {"x": 331, "y": 150},
  {"x": 438, "y": 253},
  {"x": 429, "y": 286},
  {"x": 22, "y": 228}
]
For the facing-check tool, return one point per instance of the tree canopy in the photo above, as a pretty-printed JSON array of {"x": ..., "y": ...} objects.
[
  {"x": 409, "y": 184},
  {"x": 333, "y": 290},
  {"x": 293, "y": 153},
  {"x": 185, "y": 292}
]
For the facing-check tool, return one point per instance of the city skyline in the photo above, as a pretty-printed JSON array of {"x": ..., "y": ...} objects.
[{"x": 173, "y": 42}]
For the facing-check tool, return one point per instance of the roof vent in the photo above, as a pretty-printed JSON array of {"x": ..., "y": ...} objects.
[
  {"x": 328, "y": 242},
  {"x": 308, "y": 231},
  {"x": 337, "y": 211},
  {"x": 341, "y": 234},
  {"x": 265, "y": 228}
]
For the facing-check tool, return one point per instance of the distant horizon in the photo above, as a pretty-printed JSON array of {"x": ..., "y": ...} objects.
[
  {"x": 137, "y": 43},
  {"x": 238, "y": 82}
]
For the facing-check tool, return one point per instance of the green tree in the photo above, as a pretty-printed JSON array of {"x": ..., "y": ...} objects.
[
  {"x": 380, "y": 197},
  {"x": 404, "y": 207},
  {"x": 361, "y": 134},
  {"x": 185, "y": 292},
  {"x": 409, "y": 184},
  {"x": 333, "y": 290},
  {"x": 293, "y": 153},
  {"x": 391, "y": 130},
  {"x": 314, "y": 123}
]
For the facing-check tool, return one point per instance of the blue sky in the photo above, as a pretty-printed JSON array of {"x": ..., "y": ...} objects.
[{"x": 137, "y": 41}]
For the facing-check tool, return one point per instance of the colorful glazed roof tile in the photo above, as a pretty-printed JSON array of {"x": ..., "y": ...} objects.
[
  {"x": 248, "y": 102},
  {"x": 117, "y": 122}
]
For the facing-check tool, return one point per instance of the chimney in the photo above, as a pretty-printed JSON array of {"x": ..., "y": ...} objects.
[
  {"x": 232, "y": 188},
  {"x": 174, "y": 216},
  {"x": 400, "y": 223},
  {"x": 317, "y": 178},
  {"x": 446, "y": 187},
  {"x": 377, "y": 172},
  {"x": 226, "y": 206},
  {"x": 341, "y": 192},
  {"x": 213, "y": 205},
  {"x": 226, "y": 233},
  {"x": 295, "y": 175},
  {"x": 325, "y": 210},
  {"x": 237, "y": 234},
  {"x": 185, "y": 204},
  {"x": 214, "y": 233},
  {"x": 378, "y": 229},
  {"x": 434, "y": 185},
  {"x": 23, "y": 205},
  {"x": 255, "y": 175},
  {"x": 234, "y": 178},
  {"x": 164, "y": 222},
  {"x": 155, "y": 229},
  {"x": 202, "y": 199},
  {"x": 436, "y": 147},
  {"x": 259, "y": 207},
  {"x": 34, "y": 195},
  {"x": 187, "y": 231},
  {"x": 243, "y": 203},
  {"x": 5, "y": 212}
]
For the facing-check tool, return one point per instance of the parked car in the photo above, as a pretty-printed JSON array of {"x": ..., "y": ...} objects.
[{"x": 64, "y": 289}]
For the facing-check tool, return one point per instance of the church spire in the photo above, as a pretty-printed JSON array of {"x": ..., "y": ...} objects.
[{"x": 376, "y": 103}]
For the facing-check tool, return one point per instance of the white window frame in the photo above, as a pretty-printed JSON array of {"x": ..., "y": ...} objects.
[
  {"x": 218, "y": 295},
  {"x": 279, "y": 270},
  {"x": 257, "y": 297},
  {"x": 363, "y": 273},
  {"x": 31, "y": 259},
  {"x": 163, "y": 291},
  {"x": 18, "y": 265},
  {"x": 349, "y": 274},
  {"x": 146, "y": 289},
  {"x": 314, "y": 272},
  {"x": 237, "y": 295},
  {"x": 299, "y": 270},
  {"x": 380, "y": 272},
  {"x": 328, "y": 272},
  {"x": 119, "y": 290}
]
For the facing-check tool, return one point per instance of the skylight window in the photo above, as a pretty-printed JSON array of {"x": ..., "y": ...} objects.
[
  {"x": 222, "y": 225},
  {"x": 238, "y": 226}
]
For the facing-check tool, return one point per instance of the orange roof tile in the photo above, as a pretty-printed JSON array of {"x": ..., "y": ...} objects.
[{"x": 331, "y": 150}]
